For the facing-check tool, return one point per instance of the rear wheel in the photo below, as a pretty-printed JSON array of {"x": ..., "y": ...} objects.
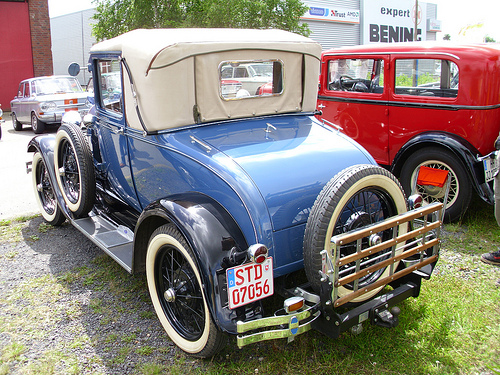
[
  {"x": 74, "y": 169},
  {"x": 37, "y": 125},
  {"x": 44, "y": 192},
  {"x": 460, "y": 193},
  {"x": 175, "y": 286},
  {"x": 358, "y": 196}
]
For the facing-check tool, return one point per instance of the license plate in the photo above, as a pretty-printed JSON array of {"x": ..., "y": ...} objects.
[
  {"x": 490, "y": 168},
  {"x": 249, "y": 282},
  {"x": 70, "y": 101}
]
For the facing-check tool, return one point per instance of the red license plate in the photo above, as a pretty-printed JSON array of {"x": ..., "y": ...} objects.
[
  {"x": 70, "y": 101},
  {"x": 249, "y": 282}
]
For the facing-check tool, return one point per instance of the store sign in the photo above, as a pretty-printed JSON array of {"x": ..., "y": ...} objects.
[
  {"x": 433, "y": 25},
  {"x": 333, "y": 14},
  {"x": 393, "y": 21}
]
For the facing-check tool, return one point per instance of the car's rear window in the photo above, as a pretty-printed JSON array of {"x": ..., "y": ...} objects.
[
  {"x": 426, "y": 77},
  {"x": 247, "y": 79}
]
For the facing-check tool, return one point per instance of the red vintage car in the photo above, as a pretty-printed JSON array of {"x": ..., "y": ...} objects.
[{"x": 414, "y": 104}]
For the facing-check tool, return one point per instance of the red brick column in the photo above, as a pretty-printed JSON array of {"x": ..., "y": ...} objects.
[{"x": 41, "y": 43}]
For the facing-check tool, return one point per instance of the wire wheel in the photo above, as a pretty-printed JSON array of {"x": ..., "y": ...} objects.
[
  {"x": 460, "y": 193},
  {"x": 358, "y": 196},
  {"x": 74, "y": 170},
  {"x": 175, "y": 286},
  {"x": 44, "y": 192}
]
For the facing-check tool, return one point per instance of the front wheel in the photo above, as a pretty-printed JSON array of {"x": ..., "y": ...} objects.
[
  {"x": 460, "y": 192},
  {"x": 74, "y": 169},
  {"x": 15, "y": 123},
  {"x": 44, "y": 192},
  {"x": 356, "y": 197},
  {"x": 175, "y": 286}
]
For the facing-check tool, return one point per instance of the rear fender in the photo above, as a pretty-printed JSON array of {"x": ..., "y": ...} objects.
[
  {"x": 211, "y": 232},
  {"x": 464, "y": 152},
  {"x": 45, "y": 144}
]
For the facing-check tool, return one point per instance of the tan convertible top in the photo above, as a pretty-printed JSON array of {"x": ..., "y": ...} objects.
[{"x": 176, "y": 72}]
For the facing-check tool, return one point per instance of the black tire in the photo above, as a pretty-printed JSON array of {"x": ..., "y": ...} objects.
[
  {"x": 16, "y": 124},
  {"x": 460, "y": 187},
  {"x": 74, "y": 169},
  {"x": 37, "y": 125},
  {"x": 44, "y": 192},
  {"x": 355, "y": 197},
  {"x": 176, "y": 291}
]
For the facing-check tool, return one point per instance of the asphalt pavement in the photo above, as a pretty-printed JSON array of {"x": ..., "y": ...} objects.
[{"x": 16, "y": 190}]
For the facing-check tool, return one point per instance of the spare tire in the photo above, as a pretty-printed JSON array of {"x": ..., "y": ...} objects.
[
  {"x": 74, "y": 169},
  {"x": 357, "y": 196}
]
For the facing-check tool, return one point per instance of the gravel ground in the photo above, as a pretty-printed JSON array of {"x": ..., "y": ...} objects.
[{"x": 57, "y": 316}]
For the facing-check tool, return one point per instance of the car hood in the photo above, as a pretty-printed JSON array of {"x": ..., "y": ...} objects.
[{"x": 288, "y": 159}]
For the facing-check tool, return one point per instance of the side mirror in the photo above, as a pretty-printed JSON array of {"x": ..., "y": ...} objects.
[{"x": 74, "y": 69}]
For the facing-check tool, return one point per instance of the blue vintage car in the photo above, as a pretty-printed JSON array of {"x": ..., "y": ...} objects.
[{"x": 227, "y": 198}]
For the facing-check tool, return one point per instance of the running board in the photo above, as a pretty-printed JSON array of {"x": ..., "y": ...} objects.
[{"x": 116, "y": 241}]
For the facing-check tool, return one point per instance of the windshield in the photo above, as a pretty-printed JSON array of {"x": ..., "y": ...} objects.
[
  {"x": 264, "y": 69},
  {"x": 64, "y": 85}
]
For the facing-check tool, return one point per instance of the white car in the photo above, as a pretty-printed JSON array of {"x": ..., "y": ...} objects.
[
  {"x": 251, "y": 75},
  {"x": 44, "y": 100}
]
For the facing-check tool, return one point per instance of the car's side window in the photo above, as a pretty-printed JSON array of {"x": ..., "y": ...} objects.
[
  {"x": 249, "y": 79},
  {"x": 358, "y": 75},
  {"x": 20, "y": 93},
  {"x": 426, "y": 77},
  {"x": 27, "y": 90},
  {"x": 110, "y": 88}
]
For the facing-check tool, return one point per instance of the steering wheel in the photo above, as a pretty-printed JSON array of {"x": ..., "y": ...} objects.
[{"x": 343, "y": 78}]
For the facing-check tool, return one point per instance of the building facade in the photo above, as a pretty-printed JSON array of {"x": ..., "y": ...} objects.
[
  {"x": 71, "y": 41},
  {"x": 340, "y": 23},
  {"x": 25, "y": 44}
]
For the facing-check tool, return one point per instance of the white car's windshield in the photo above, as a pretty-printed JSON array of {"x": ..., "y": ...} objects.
[{"x": 50, "y": 86}]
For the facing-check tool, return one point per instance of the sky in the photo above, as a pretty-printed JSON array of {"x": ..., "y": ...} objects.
[
  {"x": 61, "y": 7},
  {"x": 454, "y": 15}
]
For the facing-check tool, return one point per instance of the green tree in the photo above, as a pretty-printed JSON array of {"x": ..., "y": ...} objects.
[
  {"x": 489, "y": 39},
  {"x": 447, "y": 37},
  {"x": 114, "y": 17}
]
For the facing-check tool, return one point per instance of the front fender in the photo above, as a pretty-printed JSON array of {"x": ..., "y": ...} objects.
[
  {"x": 44, "y": 144},
  {"x": 464, "y": 151},
  {"x": 211, "y": 232}
]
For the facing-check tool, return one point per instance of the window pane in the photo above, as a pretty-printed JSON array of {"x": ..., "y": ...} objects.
[
  {"x": 427, "y": 77},
  {"x": 359, "y": 75},
  {"x": 248, "y": 79},
  {"x": 110, "y": 90}
]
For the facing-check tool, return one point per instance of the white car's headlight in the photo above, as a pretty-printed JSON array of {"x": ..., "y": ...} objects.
[{"x": 48, "y": 106}]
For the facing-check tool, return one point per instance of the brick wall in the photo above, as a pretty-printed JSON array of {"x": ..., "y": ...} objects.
[{"x": 40, "y": 37}]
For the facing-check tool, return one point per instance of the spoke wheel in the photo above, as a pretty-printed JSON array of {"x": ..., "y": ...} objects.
[
  {"x": 74, "y": 169},
  {"x": 175, "y": 287},
  {"x": 44, "y": 192},
  {"x": 460, "y": 193},
  {"x": 356, "y": 197}
]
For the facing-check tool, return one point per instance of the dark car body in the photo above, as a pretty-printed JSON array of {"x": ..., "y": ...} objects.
[{"x": 220, "y": 198}]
